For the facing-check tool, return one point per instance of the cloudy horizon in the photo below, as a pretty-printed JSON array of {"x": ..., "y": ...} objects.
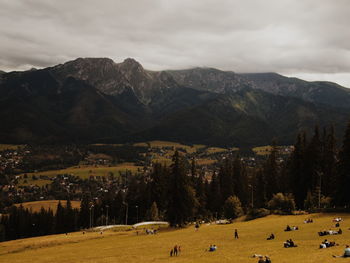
[{"x": 308, "y": 40}]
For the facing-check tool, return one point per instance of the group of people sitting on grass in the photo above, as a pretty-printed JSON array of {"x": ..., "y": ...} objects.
[
  {"x": 267, "y": 259},
  {"x": 337, "y": 219},
  {"x": 308, "y": 221},
  {"x": 272, "y": 236},
  {"x": 330, "y": 232},
  {"x": 289, "y": 243},
  {"x": 261, "y": 258},
  {"x": 326, "y": 244},
  {"x": 151, "y": 231},
  {"x": 212, "y": 248},
  {"x": 288, "y": 228}
]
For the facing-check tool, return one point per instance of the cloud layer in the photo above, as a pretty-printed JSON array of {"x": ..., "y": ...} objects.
[{"x": 299, "y": 38}]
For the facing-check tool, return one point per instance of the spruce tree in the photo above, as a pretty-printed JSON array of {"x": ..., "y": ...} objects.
[
  {"x": 343, "y": 182},
  {"x": 182, "y": 200},
  {"x": 84, "y": 213},
  {"x": 271, "y": 173},
  {"x": 296, "y": 171},
  {"x": 329, "y": 164},
  {"x": 240, "y": 180}
]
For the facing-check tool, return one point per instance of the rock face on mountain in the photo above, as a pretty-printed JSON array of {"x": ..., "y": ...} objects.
[
  {"x": 210, "y": 79},
  {"x": 97, "y": 100},
  {"x": 317, "y": 91},
  {"x": 114, "y": 78}
]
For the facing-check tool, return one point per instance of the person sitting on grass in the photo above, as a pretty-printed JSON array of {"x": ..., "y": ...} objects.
[
  {"x": 261, "y": 260},
  {"x": 324, "y": 244},
  {"x": 288, "y": 228},
  {"x": 308, "y": 221},
  {"x": 346, "y": 253},
  {"x": 289, "y": 243},
  {"x": 267, "y": 259}
]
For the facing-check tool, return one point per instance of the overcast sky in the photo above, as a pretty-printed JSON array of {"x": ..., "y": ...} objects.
[{"x": 305, "y": 38}]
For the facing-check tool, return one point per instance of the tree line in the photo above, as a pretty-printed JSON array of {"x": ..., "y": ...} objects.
[{"x": 315, "y": 175}]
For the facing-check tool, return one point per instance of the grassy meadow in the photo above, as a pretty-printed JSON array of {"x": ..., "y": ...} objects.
[
  {"x": 4, "y": 147},
  {"x": 127, "y": 247},
  {"x": 35, "y": 206},
  {"x": 85, "y": 172}
]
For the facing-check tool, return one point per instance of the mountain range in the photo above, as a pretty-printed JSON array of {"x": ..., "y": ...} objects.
[{"x": 95, "y": 100}]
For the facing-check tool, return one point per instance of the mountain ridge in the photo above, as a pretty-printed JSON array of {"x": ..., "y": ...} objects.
[{"x": 97, "y": 100}]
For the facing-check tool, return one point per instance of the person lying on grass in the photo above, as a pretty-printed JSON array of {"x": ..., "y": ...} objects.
[
  {"x": 330, "y": 232},
  {"x": 326, "y": 244},
  {"x": 272, "y": 236},
  {"x": 288, "y": 228}
]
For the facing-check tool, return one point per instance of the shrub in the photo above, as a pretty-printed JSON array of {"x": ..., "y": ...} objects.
[
  {"x": 233, "y": 207},
  {"x": 284, "y": 203}
]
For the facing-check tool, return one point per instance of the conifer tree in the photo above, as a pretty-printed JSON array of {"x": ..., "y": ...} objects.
[
  {"x": 329, "y": 164},
  {"x": 296, "y": 171},
  {"x": 240, "y": 180},
  {"x": 182, "y": 200},
  {"x": 59, "y": 219},
  {"x": 271, "y": 173},
  {"x": 343, "y": 182},
  {"x": 214, "y": 202}
]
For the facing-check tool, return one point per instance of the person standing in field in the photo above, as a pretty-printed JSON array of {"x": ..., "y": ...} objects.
[
  {"x": 175, "y": 250},
  {"x": 236, "y": 234}
]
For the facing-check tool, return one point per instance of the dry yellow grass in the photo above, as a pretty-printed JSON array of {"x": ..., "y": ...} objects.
[
  {"x": 211, "y": 150},
  {"x": 87, "y": 171},
  {"x": 127, "y": 247},
  {"x": 9, "y": 147},
  {"x": 262, "y": 150},
  {"x": 205, "y": 161},
  {"x": 47, "y": 204}
]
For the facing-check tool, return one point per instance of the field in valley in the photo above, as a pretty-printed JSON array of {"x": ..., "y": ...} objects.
[
  {"x": 35, "y": 206},
  {"x": 128, "y": 247},
  {"x": 83, "y": 172}
]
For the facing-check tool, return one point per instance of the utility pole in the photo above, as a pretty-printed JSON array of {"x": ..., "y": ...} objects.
[
  {"x": 126, "y": 213},
  {"x": 92, "y": 218},
  {"x": 319, "y": 190},
  {"x": 107, "y": 206},
  {"x": 91, "y": 215},
  {"x": 251, "y": 187},
  {"x": 137, "y": 214}
]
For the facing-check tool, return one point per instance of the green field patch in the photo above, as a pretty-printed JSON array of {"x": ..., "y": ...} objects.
[
  {"x": 212, "y": 150},
  {"x": 205, "y": 161},
  {"x": 4, "y": 147},
  {"x": 29, "y": 181},
  {"x": 35, "y": 206},
  {"x": 85, "y": 172}
]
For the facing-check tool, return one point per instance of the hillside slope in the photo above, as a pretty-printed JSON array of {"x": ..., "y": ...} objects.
[{"x": 128, "y": 247}]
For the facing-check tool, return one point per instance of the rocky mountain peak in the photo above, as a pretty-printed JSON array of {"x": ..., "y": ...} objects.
[{"x": 131, "y": 64}]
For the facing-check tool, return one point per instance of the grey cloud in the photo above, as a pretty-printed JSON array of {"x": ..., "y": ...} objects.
[{"x": 307, "y": 37}]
